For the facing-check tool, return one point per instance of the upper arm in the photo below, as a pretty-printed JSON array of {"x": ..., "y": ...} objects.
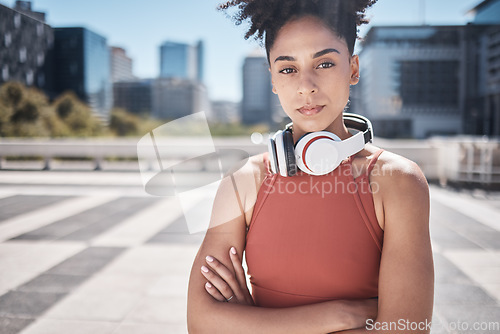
[
  {"x": 227, "y": 228},
  {"x": 406, "y": 278}
]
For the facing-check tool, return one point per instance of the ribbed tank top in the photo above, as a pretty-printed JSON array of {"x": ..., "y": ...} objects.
[{"x": 314, "y": 238}]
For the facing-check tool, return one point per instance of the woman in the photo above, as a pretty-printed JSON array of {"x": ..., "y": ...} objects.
[{"x": 314, "y": 249}]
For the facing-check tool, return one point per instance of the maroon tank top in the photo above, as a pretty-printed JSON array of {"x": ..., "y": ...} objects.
[{"x": 314, "y": 238}]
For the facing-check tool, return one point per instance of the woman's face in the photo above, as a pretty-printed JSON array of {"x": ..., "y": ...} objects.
[{"x": 311, "y": 70}]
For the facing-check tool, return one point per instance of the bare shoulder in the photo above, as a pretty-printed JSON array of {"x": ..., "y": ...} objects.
[
  {"x": 397, "y": 173},
  {"x": 245, "y": 178},
  {"x": 402, "y": 191}
]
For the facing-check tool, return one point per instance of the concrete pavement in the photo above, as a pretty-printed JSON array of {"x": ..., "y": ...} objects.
[{"x": 91, "y": 252}]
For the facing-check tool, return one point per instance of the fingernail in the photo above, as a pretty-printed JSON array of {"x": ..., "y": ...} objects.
[
  {"x": 208, "y": 285},
  {"x": 205, "y": 269},
  {"x": 233, "y": 250},
  {"x": 209, "y": 258}
]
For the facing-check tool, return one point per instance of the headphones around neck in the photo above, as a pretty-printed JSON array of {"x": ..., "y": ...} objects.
[{"x": 317, "y": 153}]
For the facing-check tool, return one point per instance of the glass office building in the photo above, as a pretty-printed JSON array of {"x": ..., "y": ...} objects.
[
  {"x": 83, "y": 65},
  {"x": 182, "y": 61}
]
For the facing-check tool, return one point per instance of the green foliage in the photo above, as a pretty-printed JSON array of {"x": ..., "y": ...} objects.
[
  {"x": 27, "y": 112},
  {"x": 236, "y": 129},
  {"x": 123, "y": 123},
  {"x": 79, "y": 119}
]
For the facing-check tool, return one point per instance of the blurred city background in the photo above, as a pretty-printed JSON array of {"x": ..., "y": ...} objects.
[{"x": 85, "y": 249}]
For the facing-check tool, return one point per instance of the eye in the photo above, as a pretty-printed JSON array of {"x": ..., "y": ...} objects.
[
  {"x": 287, "y": 70},
  {"x": 326, "y": 64}
]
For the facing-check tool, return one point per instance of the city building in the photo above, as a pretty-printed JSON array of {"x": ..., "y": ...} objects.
[
  {"x": 121, "y": 65},
  {"x": 25, "y": 47},
  {"x": 177, "y": 97},
  {"x": 83, "y": 66},
  {"x": 180, "y": 60},
  {"x": 225, "y": 112},
  {"x": 419, "y": 81},
  {"x": 258, "y": 103},
  {"x": 410, "y": 80},
  {"x": 486, "y": 12},
  {"x": 134, "y": 96}
]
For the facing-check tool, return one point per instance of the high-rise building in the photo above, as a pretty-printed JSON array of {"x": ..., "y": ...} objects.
[
  {"x": 410, "y": 80},
  {"x": 256, "y": 106},
  {"x": 25, "y": 46},
  {"x": 183, "y": 61},
  {"x": 134, "y": 96},
  {"x": 83, "y": 66},
  {"x": 175, "y": 97},
  {"x": 121, "y": 65},
  {"x": 486, "y": 12},
  {"x": 225, "y": 112}
]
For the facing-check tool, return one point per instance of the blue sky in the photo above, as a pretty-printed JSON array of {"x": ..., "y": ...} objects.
[{"x": 141, "y": 26}]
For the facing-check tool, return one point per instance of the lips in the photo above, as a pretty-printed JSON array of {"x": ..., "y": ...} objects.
[{"x": 310, "y": 110}]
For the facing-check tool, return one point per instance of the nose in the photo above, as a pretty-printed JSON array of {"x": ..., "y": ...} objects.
[{"x": 307, "y": 85}]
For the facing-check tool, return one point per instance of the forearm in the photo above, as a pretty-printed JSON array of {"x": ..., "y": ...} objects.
[{"x": 323, "y": 317}]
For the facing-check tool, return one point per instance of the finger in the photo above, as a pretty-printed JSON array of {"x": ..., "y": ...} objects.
[
  {"x": 240, "y": 274},
  {"x": 238, "y": 267},
  {"x": 217, "y": 282},
  {"x": 212, "y": 291},
  {"x": 227, "y": 275}
]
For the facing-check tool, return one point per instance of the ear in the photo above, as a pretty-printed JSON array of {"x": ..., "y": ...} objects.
[{"x": 354, "y": 70}]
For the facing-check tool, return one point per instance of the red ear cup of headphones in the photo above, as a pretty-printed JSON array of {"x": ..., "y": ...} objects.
[{"x": 318, "y": 153}]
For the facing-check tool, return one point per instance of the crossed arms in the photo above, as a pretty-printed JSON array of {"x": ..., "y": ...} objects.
[{"x": 406, "y": 277}]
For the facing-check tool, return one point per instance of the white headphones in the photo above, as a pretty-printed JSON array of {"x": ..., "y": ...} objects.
[{"x": 317, "y": 153}]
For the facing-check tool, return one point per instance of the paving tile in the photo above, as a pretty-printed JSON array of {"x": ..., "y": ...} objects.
[
  {"x": 86, "y": 262},
  {"x": 20, "y": 204},
  {"x": 110, "y": 307},
  {"x": 133, "y": 232},
  {"x": 56, "y": 326},
  {"x": 177, "y": 232},
  {"x": 106, "y": 222},
  {"x": 27, "y": 304},
  {"x": 458, "y": 316},
  {"x": 470, "y": 229},
  {"x": 13, "y": 325},
  {"x": 464, "y": 294},
  {"x": 151, "y": 309},
  {"x": 446, "y": 238},
  {"x": 132, "y": 328},
  {"x": 53, "y": 283},
  {"x": 171, "y": 285},
  {"x": 447, "y": 272},
  {"x": 76, "y": 227},
  {"x": 154, "y": 259},
  {"x": 19, "y": 265},
  {"x": 116, "y": 283},
  {"x": 492, "y": 289},
  {"x": 47, "y": 215}
]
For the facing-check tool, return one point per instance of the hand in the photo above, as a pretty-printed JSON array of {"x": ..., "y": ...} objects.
[{"x": 222, "y": 284}]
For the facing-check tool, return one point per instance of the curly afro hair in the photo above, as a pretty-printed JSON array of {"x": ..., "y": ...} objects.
[{"x": 268, "y": 16}]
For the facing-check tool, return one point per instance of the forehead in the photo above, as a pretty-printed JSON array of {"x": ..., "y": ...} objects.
[{"x": 306, "y": 34}]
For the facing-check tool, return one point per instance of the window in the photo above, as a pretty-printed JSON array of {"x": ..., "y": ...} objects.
[
  {"x": 39, "y": 29},
  {"x": 17, "y": 20},
  {"x": 7, "y": 39},
  {"x": 5, "y": 72},
  {"x": 40, "y": 58},
  {"x": 29, "y": 78},
  {"x": 22, "y": 54}
]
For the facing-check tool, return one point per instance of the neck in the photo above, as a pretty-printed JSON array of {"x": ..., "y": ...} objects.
[{"x": 337, "y": 127}]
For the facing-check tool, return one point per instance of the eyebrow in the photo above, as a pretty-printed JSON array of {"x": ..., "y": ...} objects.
[{"x": 316, "y": 55}]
